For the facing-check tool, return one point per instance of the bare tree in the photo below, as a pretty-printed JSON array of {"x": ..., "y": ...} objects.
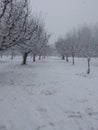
[
  {"x": 43, "y": 47},
  {"x": 95, "y": 39},
  {"x": 12, "y": 24},
  {"x": 3, "y": 7},
  {"x": 74, "y": 44},
  {"x": 68, "y": 46},
  {"x": 60, "y": 47},
  {"x": 87, "y": 44},
  {"x": 32, "y": 40},
  {"x": 27, "y": 42}
]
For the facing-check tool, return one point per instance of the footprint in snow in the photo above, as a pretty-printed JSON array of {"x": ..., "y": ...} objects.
[
  {"x": 72, "y": 114},
  {"x": 44, "y": 126},
  {"x": 48, "y": 92}
]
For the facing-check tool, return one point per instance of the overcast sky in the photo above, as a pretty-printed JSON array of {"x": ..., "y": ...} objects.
[{"x": 64, "y": 15}]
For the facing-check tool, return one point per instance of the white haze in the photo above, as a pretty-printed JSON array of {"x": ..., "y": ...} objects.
[{"x": 64, "y": 15}]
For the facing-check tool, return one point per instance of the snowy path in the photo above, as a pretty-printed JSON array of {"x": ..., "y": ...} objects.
[{"x": 48, "y": 95}]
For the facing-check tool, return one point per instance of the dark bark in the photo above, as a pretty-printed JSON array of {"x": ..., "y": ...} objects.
[
  {"x": 63, "y": 57},
  {"x": 5, "y": 4},
  {"x": 25, "y": 58},
  {"x": 34, "y": 57},
  {"x": 73, "y": 60},
  {"x": 88, "y": 70},
  {"x": 1, "y": 54},
  {"x": 39, "y": 57},
  {"x": 67, "y": 60},
  {"x": 44, "y": 56}
]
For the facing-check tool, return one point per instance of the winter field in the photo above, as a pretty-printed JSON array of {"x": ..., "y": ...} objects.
[{"x": 48, "y": 95}]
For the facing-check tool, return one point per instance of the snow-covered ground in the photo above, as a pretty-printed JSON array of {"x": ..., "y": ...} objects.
[{"x": 48, "y": 95}]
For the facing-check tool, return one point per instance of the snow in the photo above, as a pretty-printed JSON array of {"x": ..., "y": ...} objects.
[{"x": 48, "y": 95}]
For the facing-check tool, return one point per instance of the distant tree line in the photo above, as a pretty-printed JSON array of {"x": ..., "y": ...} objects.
[
  {"x": 21, "y": 31},
  {"x": 82, "y": 42}
]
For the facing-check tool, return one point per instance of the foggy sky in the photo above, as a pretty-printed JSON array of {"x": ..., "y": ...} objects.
[{"x": 65, "y": 15}]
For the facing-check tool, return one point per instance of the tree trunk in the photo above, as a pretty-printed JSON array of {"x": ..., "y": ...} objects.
[
  {"x": 44, "y": 56},
  {"x": 1, "y": 55},
  {"x": 39, "y": 57},
  {"x": 88, "y": 70},
  {"x": 63, "y": 57},
  {"x": 34, "y": 57},
  {"x": 73, "y": 60},
  {"x": 25, "y": 58},
  {"x": 67, "y": 60}
]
